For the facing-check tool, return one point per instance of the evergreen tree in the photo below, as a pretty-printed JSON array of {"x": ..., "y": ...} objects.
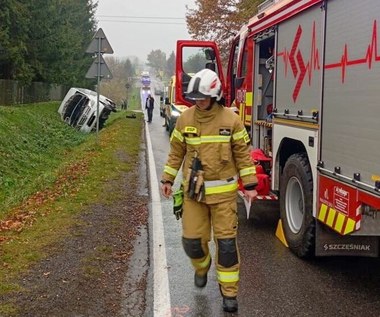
[
  {"x": 170, "y": 65},
  {"x": 46, "y": 40},
  {"x": 14, "y": 25},
  {"x": 157, "y": 60}
]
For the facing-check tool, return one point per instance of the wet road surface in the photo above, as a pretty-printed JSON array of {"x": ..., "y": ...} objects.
[{"x": 273, "y": 281}]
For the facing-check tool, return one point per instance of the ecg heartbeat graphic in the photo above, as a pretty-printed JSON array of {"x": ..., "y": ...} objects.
[
  {"x": 372, "y": 55},
  {"x": 295, "y": 58},
  {"x": 300, "y": 69}
]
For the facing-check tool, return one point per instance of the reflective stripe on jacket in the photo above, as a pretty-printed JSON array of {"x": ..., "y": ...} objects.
[
  {"x": 221, "y": 186},
  {"x": 220, "y": 139}
]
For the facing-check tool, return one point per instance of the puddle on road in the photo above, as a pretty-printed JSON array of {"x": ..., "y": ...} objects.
[
  {"x": 143, "y": 177},
  {"x": 134, "y": 287},
  {"x": 133, "y": 294}
]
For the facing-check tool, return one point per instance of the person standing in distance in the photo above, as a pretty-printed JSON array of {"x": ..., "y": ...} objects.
[
  {"x": 149, "y": 106},
  {"x": 216, "y": 136}
]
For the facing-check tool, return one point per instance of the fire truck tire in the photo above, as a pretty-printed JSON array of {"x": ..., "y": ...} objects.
[{"x": 296, "y": 201}]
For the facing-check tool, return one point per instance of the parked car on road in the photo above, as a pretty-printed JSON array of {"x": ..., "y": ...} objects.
[
  {"x": 172, "y": 112},
  {"x": 172, "y": 109}
]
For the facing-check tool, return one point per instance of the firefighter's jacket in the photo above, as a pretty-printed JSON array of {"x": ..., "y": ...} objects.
[{"x": 221, "y": 142}]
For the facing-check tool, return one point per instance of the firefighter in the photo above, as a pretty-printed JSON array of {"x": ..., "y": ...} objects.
[{"x": 212, "y": 144}]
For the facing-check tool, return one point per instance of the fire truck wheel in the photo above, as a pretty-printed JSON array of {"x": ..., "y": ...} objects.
[{"x": 296, "y": 201}]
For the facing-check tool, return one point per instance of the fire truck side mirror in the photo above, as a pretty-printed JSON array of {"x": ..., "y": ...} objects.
[
  {"x": 210, "y": 54},
  {"x": 239, "y": 82},
  {"x": 211, "y": 66}
]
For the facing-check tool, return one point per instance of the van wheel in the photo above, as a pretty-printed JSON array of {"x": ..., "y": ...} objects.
[{"x": 296, "y": 205}]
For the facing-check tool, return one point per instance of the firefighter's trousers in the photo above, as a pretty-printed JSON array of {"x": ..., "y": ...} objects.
[{"x": 198, "y": 221}]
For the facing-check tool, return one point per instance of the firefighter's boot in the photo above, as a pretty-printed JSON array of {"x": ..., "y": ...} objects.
[
  {"x": 200, "y": 259},
  {"x": 201, "y": 281},
  {"x": 230, "y": 304}
]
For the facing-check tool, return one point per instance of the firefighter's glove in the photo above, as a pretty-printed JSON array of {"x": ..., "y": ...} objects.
[{"x": 177, "y": 203}]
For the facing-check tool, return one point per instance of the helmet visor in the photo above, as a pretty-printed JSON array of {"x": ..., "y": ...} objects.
[{"x": 196, "y": 95}]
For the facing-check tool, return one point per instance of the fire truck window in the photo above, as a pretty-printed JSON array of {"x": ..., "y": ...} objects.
[
  {"x": 233, "y": 70},
  {"x": 194, "y": 59},
  {"x": 266, "y": 48},
  {"x": 234, "y": 62},
  {"x": 244, "y": 61},
  {"x": 265, "y": 73}
]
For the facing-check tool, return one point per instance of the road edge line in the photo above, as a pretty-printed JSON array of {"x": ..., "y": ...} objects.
[{"x": 161, "y": 294}]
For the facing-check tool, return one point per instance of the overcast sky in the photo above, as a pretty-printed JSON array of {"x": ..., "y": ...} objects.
[{"x": 136, "y": 27}]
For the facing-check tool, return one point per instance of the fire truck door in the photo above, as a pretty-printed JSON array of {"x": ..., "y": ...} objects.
[{"x": 191, "y": 57}]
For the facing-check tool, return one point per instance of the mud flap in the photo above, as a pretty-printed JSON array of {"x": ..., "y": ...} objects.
[
  {"x": 330, "y": 243},
  {"x": 280, "y": 233}
]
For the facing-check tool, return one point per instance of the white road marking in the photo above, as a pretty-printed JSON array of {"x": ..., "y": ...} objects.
[{"x": 161, "y": 294}]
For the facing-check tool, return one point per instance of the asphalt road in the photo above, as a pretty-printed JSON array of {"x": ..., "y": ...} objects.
[{"x": 273, "y": 282}]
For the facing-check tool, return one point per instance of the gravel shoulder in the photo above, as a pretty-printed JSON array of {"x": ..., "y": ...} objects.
[{"x": 101, "y": 267}]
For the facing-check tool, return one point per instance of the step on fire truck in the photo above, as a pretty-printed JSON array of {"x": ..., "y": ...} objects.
[{"x": 304, "y": 76}]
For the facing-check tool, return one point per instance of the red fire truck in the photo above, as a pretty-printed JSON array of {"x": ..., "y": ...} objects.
[{"x": 304, "y": 76}]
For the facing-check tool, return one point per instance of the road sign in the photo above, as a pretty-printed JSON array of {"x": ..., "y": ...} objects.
[
  {"x": 100, "y": 44},
  {"x": 95, "y": 71},
  {"x": 99, "y": 68}
]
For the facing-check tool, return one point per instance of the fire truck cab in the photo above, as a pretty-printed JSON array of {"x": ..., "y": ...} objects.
[{"x": 303, "y": 75}]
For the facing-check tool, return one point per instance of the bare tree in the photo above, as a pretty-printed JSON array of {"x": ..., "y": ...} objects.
[
  {"x": 121, "y": 69},
  {"x": 219, "y": 20}
]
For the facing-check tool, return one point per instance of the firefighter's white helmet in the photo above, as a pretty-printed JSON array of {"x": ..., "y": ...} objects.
[{"x": 204, "y": 84}]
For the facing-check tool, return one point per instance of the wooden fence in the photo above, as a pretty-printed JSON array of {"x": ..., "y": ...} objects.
[{"x": 13, "y": 92}]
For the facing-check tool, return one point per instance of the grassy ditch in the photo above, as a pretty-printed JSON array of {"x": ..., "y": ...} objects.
[{"x": 49, "y": 172}]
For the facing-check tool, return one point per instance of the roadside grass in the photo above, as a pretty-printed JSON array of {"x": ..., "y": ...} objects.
[
  {"x": 32, "y": 144},
  {"x": 49, "y": 173}
]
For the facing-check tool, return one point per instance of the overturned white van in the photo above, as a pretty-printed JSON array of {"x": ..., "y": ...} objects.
[{"x": 78, "y": 109}]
